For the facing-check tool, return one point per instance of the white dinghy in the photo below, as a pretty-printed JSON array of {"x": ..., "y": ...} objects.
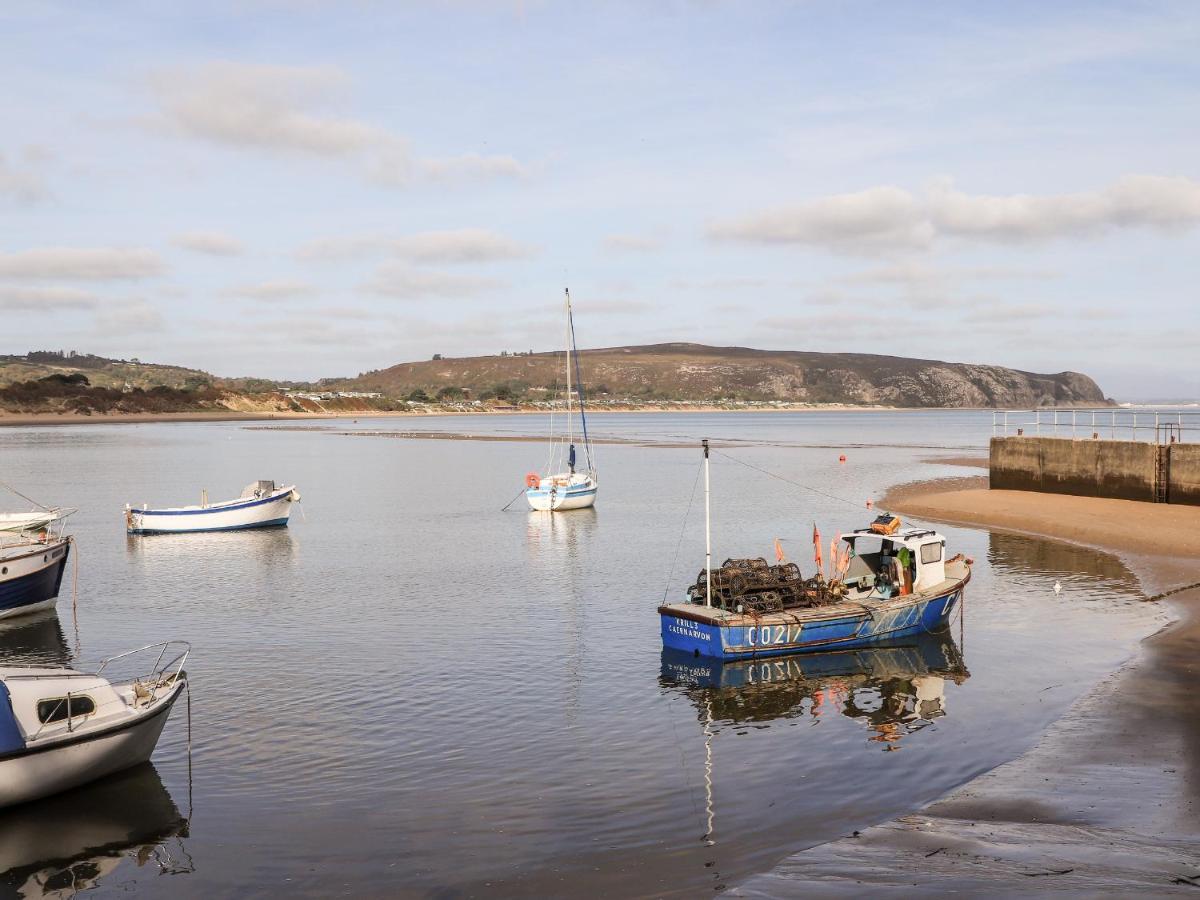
[
  {"x": 261, "y": 505},
  {"x": 60, "y": 728}
]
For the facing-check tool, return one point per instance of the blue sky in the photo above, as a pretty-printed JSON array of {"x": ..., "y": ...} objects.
[{"x": 304, "y": 189}]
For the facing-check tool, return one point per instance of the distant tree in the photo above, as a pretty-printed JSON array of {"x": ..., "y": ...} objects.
[
  {"x": 418, "y": 396},
  {"x": 436, "y": 357},
  {"x": 451, "y": 393}
]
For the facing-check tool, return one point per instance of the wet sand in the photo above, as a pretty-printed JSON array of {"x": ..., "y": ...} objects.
[{"x": 1106, "y": 803}]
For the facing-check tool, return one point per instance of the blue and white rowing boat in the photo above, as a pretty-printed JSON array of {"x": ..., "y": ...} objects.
[
  {"x": 897, "y": 583},
  {"x": 261, "y": 505}
]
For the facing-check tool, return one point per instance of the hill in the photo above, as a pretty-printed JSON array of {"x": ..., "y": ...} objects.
[{"x": 700, "y": 373}]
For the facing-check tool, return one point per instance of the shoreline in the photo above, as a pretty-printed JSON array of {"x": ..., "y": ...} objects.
[
  {"x": 1105, "y": 802},
  {"x": 11, "y": 419}
]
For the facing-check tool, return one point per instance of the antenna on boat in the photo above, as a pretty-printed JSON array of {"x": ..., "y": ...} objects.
[{"x": 707, "y": 533}]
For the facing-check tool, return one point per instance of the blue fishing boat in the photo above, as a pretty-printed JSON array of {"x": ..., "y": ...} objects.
[{"x": 895, "y": 582}]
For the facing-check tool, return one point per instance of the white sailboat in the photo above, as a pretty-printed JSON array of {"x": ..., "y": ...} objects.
[{"x": 568, "y": 486}]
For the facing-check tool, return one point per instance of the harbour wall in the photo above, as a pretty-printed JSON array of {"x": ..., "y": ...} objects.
[{"x": 1126, "y": 470}]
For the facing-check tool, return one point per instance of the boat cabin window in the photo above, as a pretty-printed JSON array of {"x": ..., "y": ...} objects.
[
  {"x": 931, "y": 553},
  {"x": 59, "y": 709}
]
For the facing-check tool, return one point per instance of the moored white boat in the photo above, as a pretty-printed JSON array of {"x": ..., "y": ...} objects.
[
  {"x": 568, "y": 488},
  {"x": 61, "y": 728},
  {"x": 34, "y": 520},
  {"x": 261, "y": 505},
  {"x": 31, "y": 573}
]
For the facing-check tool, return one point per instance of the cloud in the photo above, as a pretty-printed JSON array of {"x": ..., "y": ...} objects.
[
  {"x": 99, "y": 264},
  {"x": 471, "y": 167},
  {"x": 266, "y": 107},
  {"x": 395, "y": 280},
  {"x": 272, "y": 290},
  {"x": 20, "y": 185},
  {"x": 891, "y": 218},
  {"x": 293, "y": 110},
  {"x": 214, "y": 243},
  {"x": 137, "y": 317},
  {"x": 463, "y": 245},
  {"x": 876, "y": 217},
  {"x": 631, "y": 243},
  {"x": 1150, "y": 201},
  {"x": 45, "y": 298}
]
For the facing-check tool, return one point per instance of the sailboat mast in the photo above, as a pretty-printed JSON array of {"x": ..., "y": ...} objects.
[
  {"x": 707, "y": 533},
  {"x": 567, "y": 291}
]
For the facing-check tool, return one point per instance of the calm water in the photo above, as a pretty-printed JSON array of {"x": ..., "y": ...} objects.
[{"x": 411, "y": 692}]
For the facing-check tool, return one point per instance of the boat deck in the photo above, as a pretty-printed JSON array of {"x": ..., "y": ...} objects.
[{"x": 958, "y": 573}]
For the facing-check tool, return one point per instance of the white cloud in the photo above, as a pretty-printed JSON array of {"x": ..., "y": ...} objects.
[
  {"x": 395, "y": 280},
  {"x": 214, "y": 243},
  {"x": 262, "y": 106},
  {"x": 462, "y": 245},
  {"x": 631, "y": 243},
  {"x": 294, "y": 110},
  {"x": 20, "y": 185},
  {"x": 99, "y": 264},
  {"x": 858, "y": 222},
  {"x": 45, "y": 298},
  {"x": 136, "y": 317},
  {"x": 890, "y": 218},
  {"x": 272, "y": 290}
]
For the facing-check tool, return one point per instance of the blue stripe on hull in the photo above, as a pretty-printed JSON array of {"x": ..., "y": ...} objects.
[
  {"x": 268, "y": 524},
  {"x": 36, "y": 587},
  {"x": 846, "y": 632}
]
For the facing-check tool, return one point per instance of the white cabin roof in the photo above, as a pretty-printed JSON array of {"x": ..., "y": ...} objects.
[{"x": 903, "y": 536}]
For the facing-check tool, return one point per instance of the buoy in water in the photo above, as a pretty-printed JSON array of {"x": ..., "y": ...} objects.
[
  {"x": 870, "y": 503},
  {"x": 842, "y": 458}
]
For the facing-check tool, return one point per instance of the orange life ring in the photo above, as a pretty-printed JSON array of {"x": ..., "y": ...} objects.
[{"x": 533, "y": 479}]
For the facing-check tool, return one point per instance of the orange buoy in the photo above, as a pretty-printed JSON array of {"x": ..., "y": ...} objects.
[
  {"x": 842, "y": 458},
  {"x": 870, "y": 503},
  {"x": 533, "y": 479}
]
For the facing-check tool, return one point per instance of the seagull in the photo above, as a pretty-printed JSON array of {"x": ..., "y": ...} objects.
[{"x": 1057, "y": 588}]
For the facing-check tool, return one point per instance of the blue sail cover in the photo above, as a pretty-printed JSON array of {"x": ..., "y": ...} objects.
[{"x": 10, "y": 733}]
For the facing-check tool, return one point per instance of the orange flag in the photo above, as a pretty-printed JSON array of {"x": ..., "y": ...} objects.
[
  {"x": 817, "y": 549},
  {"x": 779, "y": 557}
]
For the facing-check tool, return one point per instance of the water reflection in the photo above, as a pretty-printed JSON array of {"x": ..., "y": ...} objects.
[
  {"x": 564, "y": 530},
  {"x": 1032, "y": 561},
  {"x": 34, "y": 640},
  {"x": 267, "y": 545},
  {"x": 74, "y": 842},
  {"x": 894, "y": 690}
]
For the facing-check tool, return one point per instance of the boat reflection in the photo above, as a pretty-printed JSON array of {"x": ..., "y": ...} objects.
[
  {"x": 34, "y": 640},
  {"x": 266, "y": 544},
  {"x": 892, "y": 689},
  {"x": 72, "y": 842},
  {"x": 563, "y": 530}
]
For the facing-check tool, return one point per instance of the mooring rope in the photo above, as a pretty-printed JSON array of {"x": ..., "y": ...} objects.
[
  {"x": 682, "y": 529},
  {"x": 513, "y": 500},
  {"x": 1178, "y": 590},
  {"x": 9, "y": 487}
]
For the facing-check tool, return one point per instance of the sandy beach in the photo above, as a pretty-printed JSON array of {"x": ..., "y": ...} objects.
[{"x": 1105, "y": 804}]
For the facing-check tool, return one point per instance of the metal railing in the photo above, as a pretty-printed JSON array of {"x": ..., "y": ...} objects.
[
  {"x": 1150, "y": 425},
  {"x": 158, "y": 672}
]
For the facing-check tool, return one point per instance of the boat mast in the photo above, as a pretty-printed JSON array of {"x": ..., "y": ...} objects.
[
  {"x": 567, "y": 291},
  {"x": 707, "y": 533}
]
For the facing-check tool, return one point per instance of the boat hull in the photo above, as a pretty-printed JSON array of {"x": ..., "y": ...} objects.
[
  {"x": 30, "y": 581},
  {"x": 266, "y": 512},
  {"x": 40, "y": 772},
  {"x": 541, "y": 500},
  {"x": 775, "y": 634}
]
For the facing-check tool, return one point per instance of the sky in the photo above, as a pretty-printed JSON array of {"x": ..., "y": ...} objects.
[{"x": 309, "y": 189}]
